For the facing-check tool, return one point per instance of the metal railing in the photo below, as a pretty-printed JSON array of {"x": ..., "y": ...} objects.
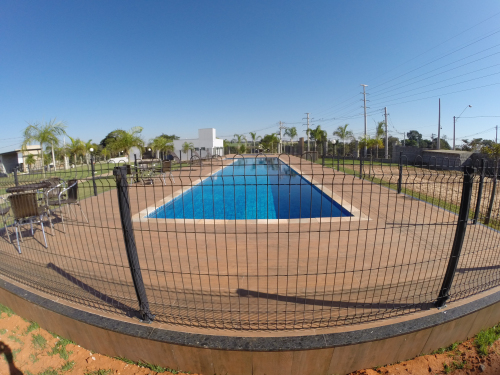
[{"x": 262, "y": 242}]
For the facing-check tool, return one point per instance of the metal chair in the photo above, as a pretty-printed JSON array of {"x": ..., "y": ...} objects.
[
  {"x": 166, "y": 167},
  {"x": 4, "y": 212},
  {"x": 67, "y": 196},
  {"x": 25, "y": 208}
]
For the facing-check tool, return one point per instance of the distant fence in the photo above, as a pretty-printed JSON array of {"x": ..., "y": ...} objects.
[{"x": 258, "y": 242}]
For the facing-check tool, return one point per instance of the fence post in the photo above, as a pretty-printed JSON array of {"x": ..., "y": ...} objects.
[
  {"x": 493, "y": 191},
  {"x": 400, "y": 179},
  {"x": 463, "y": 217},
  {"x": 16, "y": 179},
  {"x": 120, "y": 174},
  {"x": 479, "y": 192},
  {"x": 93, "y": 173},
  {"x": 136, "y": 170},
  {"x": 338, "y": 163},
  {"x": 360, "y": 167}
]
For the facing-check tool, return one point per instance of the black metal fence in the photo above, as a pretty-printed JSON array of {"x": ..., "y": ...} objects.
[{"x": 256, "y": 242}]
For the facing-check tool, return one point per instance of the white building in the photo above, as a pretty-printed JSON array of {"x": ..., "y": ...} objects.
[{"x": 206, "y": 142}]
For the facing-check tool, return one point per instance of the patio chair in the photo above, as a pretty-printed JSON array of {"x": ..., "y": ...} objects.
[
  {"x": 25, "y": 209},
  {"x": 166, "y": 167},
  {"x": 68, "y": 196},
  {"x": 52, "y": 198},
  {"x": 4, "y": 212}
]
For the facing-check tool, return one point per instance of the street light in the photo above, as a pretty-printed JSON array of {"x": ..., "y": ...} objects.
[
  {"x": 91, "y": 149},
  {"x": 455, "y": 118}
]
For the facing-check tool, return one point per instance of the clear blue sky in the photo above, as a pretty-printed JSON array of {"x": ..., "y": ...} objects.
[{"x": 239, "y": 66}]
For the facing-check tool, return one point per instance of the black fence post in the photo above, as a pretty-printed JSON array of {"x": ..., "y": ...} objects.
[
  {"x": 360, "y": 167},
  {"x": 120, "y": 174},
  {"x": 16, "y": 179},
  {"x": 479, "y": 193},
  {"x": 493, "y": 191},
  {"x": 93, "y": 173},
  {"x": 463, "y": 217},
  {"x": 338, "y": 163},
  {"x": 136, "y": 170},
  {"x": 400, "y": 179}
]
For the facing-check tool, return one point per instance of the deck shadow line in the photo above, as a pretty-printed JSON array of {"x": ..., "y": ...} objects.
[
  {"x": 129, "y": 311},
  {"x": 340, "y": 304}
]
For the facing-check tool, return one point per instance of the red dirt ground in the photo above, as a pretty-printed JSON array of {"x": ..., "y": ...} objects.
[{"x": 30, "y": 358}]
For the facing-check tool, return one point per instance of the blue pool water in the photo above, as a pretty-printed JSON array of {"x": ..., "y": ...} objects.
[{"x": 252, "y": 188}]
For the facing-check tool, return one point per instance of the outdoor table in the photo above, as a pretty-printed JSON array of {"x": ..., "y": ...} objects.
[{"x": 29, "y": 187}]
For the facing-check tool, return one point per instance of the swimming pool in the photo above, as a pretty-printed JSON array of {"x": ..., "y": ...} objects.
[{"x": 252, "y": 188}]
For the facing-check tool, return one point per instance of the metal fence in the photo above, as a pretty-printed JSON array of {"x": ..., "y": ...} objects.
[{"x": 257, "y": 242}]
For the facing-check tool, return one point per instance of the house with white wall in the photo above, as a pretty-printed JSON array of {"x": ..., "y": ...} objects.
[{"x": 206, "y": 141}]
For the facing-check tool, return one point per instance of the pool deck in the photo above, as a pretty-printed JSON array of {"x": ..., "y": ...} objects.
[{"x": 259, "y": 274}]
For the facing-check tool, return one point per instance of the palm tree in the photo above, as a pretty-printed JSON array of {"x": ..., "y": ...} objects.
[
  {"x": 44, "y": 134},
  {"x": 254, "y": 137},
  {"x": 186, "y": 146},
  {"x": 125, "y": 140},
  {"x": 29, "y": 160},
  {"x": 161, "y": 144},
  {"x": 239, "y": 139},
  {"x": 319, "y": 135},
  {"x": 291, "y": 132},
  {"x": 76, "y": 147},
  {"x": 342, "y": 133},
  {"x": 105, "y": 153}
]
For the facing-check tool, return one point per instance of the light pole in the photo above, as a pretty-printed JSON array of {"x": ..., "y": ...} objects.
[
  {"x": 455, "y": 118},
  {"x": 92, "y": 166}
]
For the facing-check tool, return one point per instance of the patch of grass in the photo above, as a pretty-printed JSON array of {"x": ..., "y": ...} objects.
[
  {"x": 459, "y": 365},
  {"x": 447, "y": 369},
  {"x": 32, "y": 327},
  {"x": 152, "y": 367},
  {"x": 99, "y": 372},
  {"x": 49, "y": 371},
  {"x": 126, "y": 360},
  {"x": 5, "y": 309},
  {"x": 68, "y": 365},
  {"x": 14, "y": 353},
  {"x": 38, "y": 341},
  {"x": 15, "y": 339},
  {"x": 450, "y": 348},
  {"x": 60, "y": 348},
  {"x": 3, "y": 331},
  {"x": 26, "y": 372},
  {"x": 486, "y": 338},
  {"x": 33, "y": 358}
]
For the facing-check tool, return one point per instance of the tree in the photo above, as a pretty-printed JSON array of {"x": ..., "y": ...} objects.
[
  {"x": 254, "y": 137},
  {"x": 379, "y": 134},
  {"x": 342, "y": 133},
  {"x": 239, "y": 139},
  {"x": 318, "y": 135},
  {"x": 161, "y": 144},
  {"x": 125, "y": 140},
  {"x": 494, "y": 152},
  {"x": 291, "y": 132},
  {"x": 186, "y": 146},
  {"x": 111, "y": 137},
  {"x": 413, "y": 138},
  {"x": 44, "y": 134},
  {"x": 30, "y": 160},
  {"x": 269, "y": 141},
  {"x": 76, "y": 147}
]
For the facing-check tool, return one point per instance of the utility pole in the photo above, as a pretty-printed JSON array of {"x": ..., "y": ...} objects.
[
  {"x": 454, "y": 121},
  {"x": 364, "y": 101},
  {"x": 496, "y": 134},
  {"x": 438, "y": 147},
  {"x": 307, "y": 131},
  {"x": 281, "y": 128},
  {"x": 386, "y": 136}
]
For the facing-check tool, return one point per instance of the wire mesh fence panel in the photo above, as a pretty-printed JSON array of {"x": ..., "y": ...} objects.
[
  {"x": 83, "y": 261},
  {"x": 261, "y": 242}
]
